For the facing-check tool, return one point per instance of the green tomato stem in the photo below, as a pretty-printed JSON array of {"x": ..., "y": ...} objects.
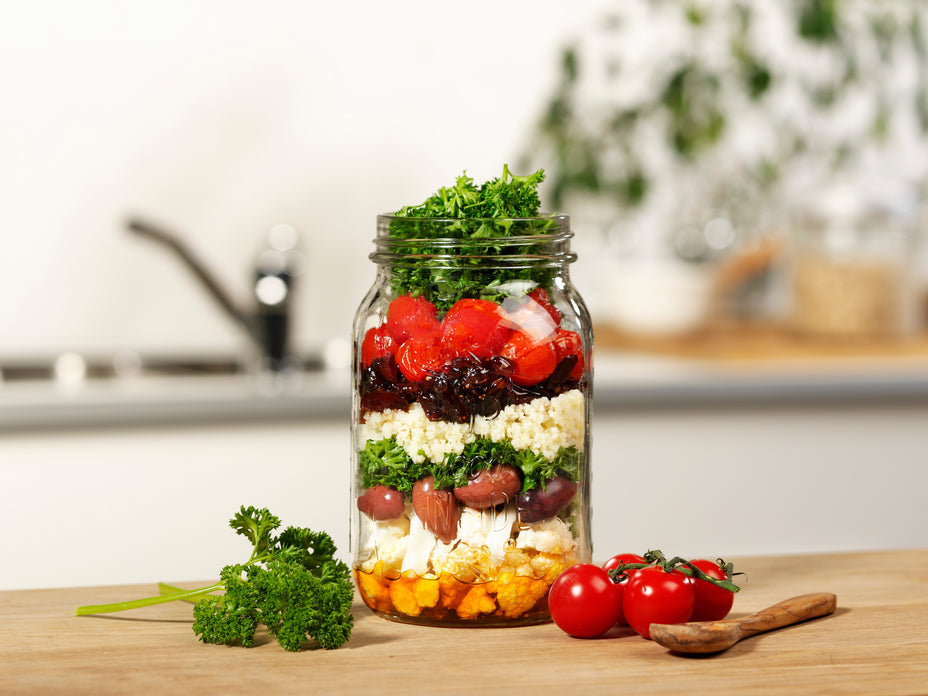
[
  {"x": 656, "y": 558},
  {"x": 695, "y": 572}
]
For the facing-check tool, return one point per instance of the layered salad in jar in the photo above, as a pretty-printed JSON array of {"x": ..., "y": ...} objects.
[{"x": 471, "y": 425}]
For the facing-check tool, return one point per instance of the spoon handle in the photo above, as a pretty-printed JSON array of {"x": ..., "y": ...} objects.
[
  {"x": 789, "y": 611},
  {"x": 715, "y": 636}
]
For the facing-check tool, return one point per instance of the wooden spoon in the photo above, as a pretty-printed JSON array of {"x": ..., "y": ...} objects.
[{"x": 715, "y": 636}]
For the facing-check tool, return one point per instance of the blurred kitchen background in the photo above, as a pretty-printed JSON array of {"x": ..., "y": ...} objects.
[{"x": 183, "y": 181}]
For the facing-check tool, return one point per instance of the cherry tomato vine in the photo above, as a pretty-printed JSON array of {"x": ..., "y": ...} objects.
[{"x": 655, "y": 558}]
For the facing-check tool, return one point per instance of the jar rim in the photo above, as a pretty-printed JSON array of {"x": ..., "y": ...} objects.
[
  {"x": 467, "y": 242},
  {"x": 513, "y": 232},
  {"x": 560, "y": 217}
]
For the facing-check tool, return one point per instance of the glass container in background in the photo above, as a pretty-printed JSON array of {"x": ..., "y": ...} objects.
[
  {"x": 470, "y": 421},
  {"x": 853, "y": 270}
]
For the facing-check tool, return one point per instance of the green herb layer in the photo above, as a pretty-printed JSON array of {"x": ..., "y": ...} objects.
[{"x": 385, "y": 462}]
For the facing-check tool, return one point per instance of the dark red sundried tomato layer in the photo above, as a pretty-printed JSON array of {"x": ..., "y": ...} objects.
[{"x": 467, "y": 386}]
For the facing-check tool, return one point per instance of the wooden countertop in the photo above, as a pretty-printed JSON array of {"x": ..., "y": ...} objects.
[
  {"x": 760, "y": 344},
  {"x": 876, "y": 642}
]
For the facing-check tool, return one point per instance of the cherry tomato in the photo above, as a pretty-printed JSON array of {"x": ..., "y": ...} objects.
[
  {"x": 534, "y": 359},
  {"x": 377, "y": 343},
  {"x": 656, "y": 596},
  {"x": 540, "y": 296},
  {"x": 621, "y": 558},
  {"x": 712, "y": 602},
  {"x": 532, "y": 313},
  {"x": 473, "y": 327},
  {"x": 568, "y": 343},
  {"x": 419, "y": 356},
  {"x": 615, "y": 562},
  {"x": 583, "y": 601},
  {"x": 411, "y": 317}
]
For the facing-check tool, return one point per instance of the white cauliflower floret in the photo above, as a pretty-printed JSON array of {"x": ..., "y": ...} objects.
[
  {"x": 440, "y": 554},
  {"x": 383, "y": 541},
  {"x": 550, "y": 536},
  {"x": 484, "y": 537},
  {"x": 472, "y": 528},
  {"x": 419, "y": 547},
  {"x": 467, "y": 563},
  {"x": 489, "y": 528}
]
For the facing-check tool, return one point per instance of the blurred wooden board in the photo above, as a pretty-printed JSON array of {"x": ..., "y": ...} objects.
[{"x": 758, "y": 343}]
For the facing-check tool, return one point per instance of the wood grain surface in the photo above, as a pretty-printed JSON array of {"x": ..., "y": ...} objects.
[
  {"x": 757, "y": 344},
  {"x": 876, "y": 642}
]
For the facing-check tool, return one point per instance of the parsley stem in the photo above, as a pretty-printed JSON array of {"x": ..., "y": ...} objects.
[
  {"x": 166, "y": 589},
  {"x": 145, "y": 602}
]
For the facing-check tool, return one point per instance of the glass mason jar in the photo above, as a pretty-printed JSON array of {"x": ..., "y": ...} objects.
[
  {"x": 853, "y": 275},
  {"x": 471, "y": 415}
]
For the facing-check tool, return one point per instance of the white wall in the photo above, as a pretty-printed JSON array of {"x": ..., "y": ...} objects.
[
  {"x": 756, "y": 480},
  {"x": 222, "y": 118},
  {"x": 148, "y": 505}
]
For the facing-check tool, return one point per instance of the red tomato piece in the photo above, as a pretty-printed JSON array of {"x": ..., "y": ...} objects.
[
  {"x": 419, "y": 356},
  {"x": 615, "y": 562},
  {"x": 377, "y": 343},
  {"x": 533, "y": 359},
  {"x": 583, "y": 601},
  {"x": 540, "y": 295},
  {"x": 712, "y": 602},
  {"x": 656, "y": 596},
  {"x": 474, "y": 327},
  {"x": 568, "y": 343},
  {"x": 527, "y": 314},
  {"x": 621, "y": 558},
  {"x": 411, "y": 317}
]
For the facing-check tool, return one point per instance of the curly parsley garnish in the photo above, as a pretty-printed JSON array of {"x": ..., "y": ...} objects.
[{"x": 467, "y": 238}]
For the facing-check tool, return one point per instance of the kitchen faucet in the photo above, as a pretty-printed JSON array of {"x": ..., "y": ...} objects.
[{"x": 267, "y": 324}]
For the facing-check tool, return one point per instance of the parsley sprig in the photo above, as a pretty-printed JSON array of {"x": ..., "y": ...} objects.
[
  {"x": 466, "y": 238},
  {"x": 507, "y": 196},
  {"x": 292, "y": 583},
  {"x": 385, "y": 463}
]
